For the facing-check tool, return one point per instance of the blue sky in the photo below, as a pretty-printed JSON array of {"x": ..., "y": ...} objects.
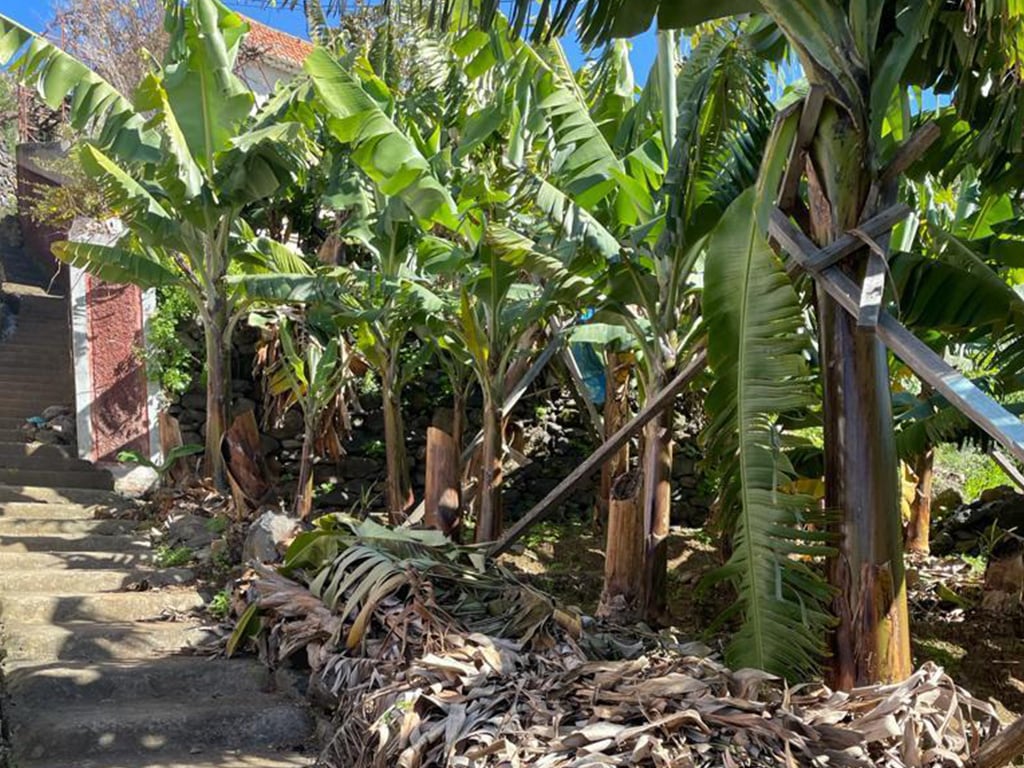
[{"x": 35, "y": 14}]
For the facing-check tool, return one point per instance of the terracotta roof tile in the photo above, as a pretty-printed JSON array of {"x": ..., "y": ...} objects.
[{"x": 276, "y": 44}]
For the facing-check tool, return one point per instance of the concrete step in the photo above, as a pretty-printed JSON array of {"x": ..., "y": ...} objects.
[
  {"x": 151, "y": 728},
  {"x": 56, "y": 495},
  {"x": 43, "y": 511},
  {"x": 97, "y": 580},
  {"x": 105, "y": 606},
  {"x": 35, "y": 526},
  {"x": 16, "y": 389},
  {"x": 72, "y": 542},
  {"x": 201, "y": 758},
  {"x": 46, "y": 462},
  {"x": 24, "y": 403},
  {"x": 98, "y": 480},
  {"x": 37, "y": 686},
  {"x": 42, "y": 451},
  {"x": 76, "y": 560},
  {"x": 87, "y": 641}
]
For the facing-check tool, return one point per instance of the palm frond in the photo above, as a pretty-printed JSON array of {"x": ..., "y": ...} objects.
[{"x": 755, "y": 349}]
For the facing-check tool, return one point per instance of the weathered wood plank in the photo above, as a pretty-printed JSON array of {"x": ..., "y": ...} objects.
[
  {"x": 960, "y": 391},
  {"x": 910, "y": 151},
  {"x": 663, "y": 399},
  {"x": 804, "y": 134},
  {"x": 873, "y": 228}
]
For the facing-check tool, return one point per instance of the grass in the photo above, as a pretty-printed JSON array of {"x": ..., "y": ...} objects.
[
  {"x": 220, "y": 605},
  {"x": 967, "y": 471},
  {"x": 170, "y": 557}
]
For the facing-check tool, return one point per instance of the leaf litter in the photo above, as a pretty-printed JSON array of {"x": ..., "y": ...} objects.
[{"x": 425, "y": 655}]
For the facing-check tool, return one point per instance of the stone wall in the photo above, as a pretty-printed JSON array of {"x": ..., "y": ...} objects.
[
  {"x": 554, "y": 437},
  {"x": 38, "y": 237}
]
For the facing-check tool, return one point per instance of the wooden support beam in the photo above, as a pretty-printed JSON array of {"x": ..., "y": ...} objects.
[
  {"x": 804, "y": 135},
  {"x": 1006, "y": 464},
  {"x": 960, "y": 391},
  {"x": 910, "y": 151},
  {"x": 872, "y": 290},
  {"x": 875, "y": 227},
  {"x": 664, "y": 399}
]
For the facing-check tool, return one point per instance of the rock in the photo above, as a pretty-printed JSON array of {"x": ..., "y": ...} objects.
[
  {"x": 189, "y": 531},
  {"x": 269, "y": 444},
  {"x": 269, "y": 536},
  {"x": 242, "y": 404},
  {"x": 999, "y": 493},
  {"x": 357, "y": 467},
  {"x": 290, "y": 426},
  {"x": 191, "y": 438},
  {"x": 946, "y": 500},
  {"x": 44, "y": 436},
  {"x": 195, "y": 401},
  {"x": 63, "y": 425},
  {"x": 54, "y": 411}
]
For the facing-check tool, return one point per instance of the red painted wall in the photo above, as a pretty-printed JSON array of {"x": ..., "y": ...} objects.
[{"x": 120, "y": 419}]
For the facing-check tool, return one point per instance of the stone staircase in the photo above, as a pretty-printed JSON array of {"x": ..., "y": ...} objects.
[{"x": 95, "y": 635}]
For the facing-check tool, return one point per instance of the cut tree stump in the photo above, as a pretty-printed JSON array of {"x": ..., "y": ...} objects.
[{"x": 442, "y": 495}]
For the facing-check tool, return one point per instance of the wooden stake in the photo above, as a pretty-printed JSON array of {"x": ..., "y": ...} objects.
[
  {"x": 170, "y": 438},
  {"x": 817, "y": 260},
  {"x": 544, "y": 507}
]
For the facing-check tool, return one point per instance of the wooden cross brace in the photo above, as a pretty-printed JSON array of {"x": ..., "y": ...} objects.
[{"x": 960, "y": 391}]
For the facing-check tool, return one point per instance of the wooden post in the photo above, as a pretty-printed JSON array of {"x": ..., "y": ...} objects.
[
  {"x": 616, "y": 411},
  {"x": 1003, "y": 748}
]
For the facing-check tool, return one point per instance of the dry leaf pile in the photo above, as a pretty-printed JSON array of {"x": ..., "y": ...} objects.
[{"x": 423, "y": 686}]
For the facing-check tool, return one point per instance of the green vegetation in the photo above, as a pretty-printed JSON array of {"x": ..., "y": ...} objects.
[
  {"x": 168, "y": 360},
  {"x": 220, "y": 605},
  {"x": 482, "y": 197},
  {"x": 172, "y": 557}
]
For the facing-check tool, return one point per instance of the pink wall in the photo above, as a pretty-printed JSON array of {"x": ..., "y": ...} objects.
[{"x": 120, "y": 418}]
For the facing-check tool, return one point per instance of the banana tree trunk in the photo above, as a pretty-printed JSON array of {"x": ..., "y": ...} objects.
[
  {"x": 918, "y": 529},
  {"x": 657, "y": 506},
  {"x": 399, "y": 486},
  {"x": 218, "y": 386},
  {"x": 489, "y": 511},
  {"x": 304, "y": 490},
  {"x": 616, "y": 413},
  {"x": 871, "y": 642}
]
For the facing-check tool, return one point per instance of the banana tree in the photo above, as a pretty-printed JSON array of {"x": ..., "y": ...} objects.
[
  {"x": 595, "y": 161},
  {"x": 860, "y": 55},
  {"x": 493, "y": 315},
  {"x": 311, "y": 372},
  {"x": 183, "y": 187}
]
